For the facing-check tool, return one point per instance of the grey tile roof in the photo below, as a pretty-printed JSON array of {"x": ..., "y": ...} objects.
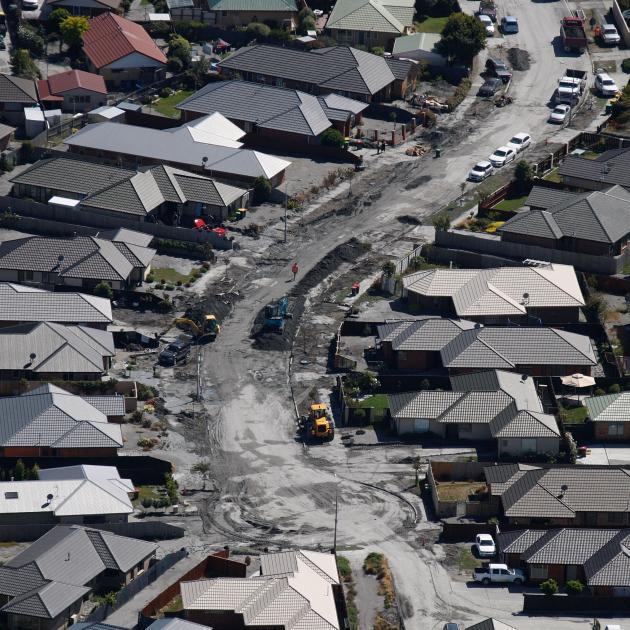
[
  {"x": 108, "y": 405},
  {"x": 266, "y": 106},
  {"x": 17, "y": 90},
  {"x": 500, "y": 291},
  {"x": 430, "y": 334},
  {"x": 563, "y": 491},
  {"x": 285, "y": 6},
  {"x": 610, "y": 566},
  {"x": 47, "y": 602},
  {"x": 48, "y": 415},
  {"x": 336, "y": 106},
  {"x": 601, "y": 216},
  {"x": 495, "y": 347},
  {"x": 609, "y": 408},
  {"x": 176, "y": 624},
  {"x": 372, "y": 16},
  {"x": 425, "y": 404},
  {"x": 567, "y": 546},
  {"x": 339, "y": 68},
  {"x": 19, "y": 303},
  {"x": 531, "y": 424},
  {"x": 72, "y": 175},
  {"x": 490, "y": 624},
  {"x": 400, "y": 68},
  {"x": 17, "y": 581},
  {"x": 518, "y": 541},
  {"x": 611, "y": 167},
  {"x": 545, "y": 198}
]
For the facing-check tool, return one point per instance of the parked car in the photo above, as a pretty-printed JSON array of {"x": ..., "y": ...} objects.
[
  {"x": 560, "y": 114},
  {"x": 486, "y": 20},
  {"x": 610, "y": 35},
  {"x": 498, "y": 68},
  {"x": 509, "y": 25},
  {"x": 487, "y": 7},
  {"x": 451, "y": 626},
  {"x": 480, "y": 171},
  {"x": 484, "y": 543},
  {"x": 520, "y": 142},
  {"x": 498, "y": 574},
  {"x": 318, "y": 12},
  {"x": 502, "y": 156},
  {"x": 29, "y": 5},
  {"x": 174, "y": 353},
  {"x": 490, "y": 87},
  {"x": 605, "y": 84}
]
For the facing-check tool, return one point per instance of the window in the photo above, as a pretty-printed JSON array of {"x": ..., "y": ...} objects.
[
  {"x": 10, "y": 495},
  {"x": 615, "y": 428},
  {"x": 538, "y": 571},
  {"x": 528, "y": 445}
]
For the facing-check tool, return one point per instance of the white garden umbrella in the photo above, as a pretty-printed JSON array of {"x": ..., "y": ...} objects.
[{"x": 578, "y": 380}]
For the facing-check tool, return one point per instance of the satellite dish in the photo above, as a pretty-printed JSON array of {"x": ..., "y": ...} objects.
[
  {"x": 60, "y": 258},
  {"x": 49, "y": 497},
  {"x": 564, "y": 487},
  {"x": 32, "y": 356},
  {"x": 525, "y": 296}
]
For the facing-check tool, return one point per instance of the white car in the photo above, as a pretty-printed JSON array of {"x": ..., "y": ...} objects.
[
  {"x": 30, "y": 5},
  {"x": 502, "y": 156},
  {"x": 485, "y": 546},
  {"x": 318, "y": 12},
  {"x": 605, "y": 84},
  {"x": 520, "y": 142},
  {"x": 610, "y": 35},
  {"x": 480, "y": 171},
  {"x": 487, "y": 22},
  {"x": 559, "y": 114}
]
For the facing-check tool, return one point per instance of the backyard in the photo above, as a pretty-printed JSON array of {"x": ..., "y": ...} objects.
[
  {"x": 458, "y": 490},
  {"x": 431, "y": 25},
  {"x": 166, "y": 105}
]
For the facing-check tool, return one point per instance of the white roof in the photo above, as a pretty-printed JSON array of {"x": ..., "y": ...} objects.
[
  {"x": 64, "y": 201},
  {"x": 107, "y": 111},
  {"x": 213, "y": 129},
  {"x": 70, "y": 491},
  {"x": 33, "y": 113}
]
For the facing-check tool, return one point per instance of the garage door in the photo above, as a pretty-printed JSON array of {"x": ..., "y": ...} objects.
[{"x": 420, "y": 426}]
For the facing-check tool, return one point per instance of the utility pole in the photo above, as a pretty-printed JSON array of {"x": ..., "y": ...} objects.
[{"x": 336, "y": 514}]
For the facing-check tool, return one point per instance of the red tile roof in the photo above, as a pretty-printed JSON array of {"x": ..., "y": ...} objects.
[
  {"x": 111, "y": 37},
  {"x": 56, "y": 84}
]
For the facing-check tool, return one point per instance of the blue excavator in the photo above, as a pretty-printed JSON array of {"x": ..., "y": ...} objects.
[{"x": 275, "y": 314}]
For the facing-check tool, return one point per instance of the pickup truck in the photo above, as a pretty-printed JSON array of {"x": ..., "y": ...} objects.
[
  {"x": 498, "y": 574},
  {"x": 570, "y": 87},
  {"x": 572, "y": 34}
]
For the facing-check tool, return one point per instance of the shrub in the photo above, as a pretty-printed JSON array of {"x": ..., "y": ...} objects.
[
  {"x": 258, "y": 30},
  {"x": 146, "y": 392},
  {"x": 145, "y": 443},
  {"x": 441, "y": 222},
  {"x": 165, "y": 92},
  {"x": 378, "y": 50},
  {"x": 625, "y": 65},
  {"x": 614, "y": 388},
  {"x": 136, "y": 416},
  {"x": 332, "y": 138},
  {"x": 600, "y": 392},
  {"x": 574, "y": 587},
  {"x": 104, "y": 290},
  {"x": 549, "y": 587},
  {"x": 262, "y": 189},
  {"x": 169, "y": 287},
  {"x": 460, "y": 94}
]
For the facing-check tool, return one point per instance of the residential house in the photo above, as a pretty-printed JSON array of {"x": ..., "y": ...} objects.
[
  {"x": 610, "y": 415},
  {"x": 599, "y": 558},
  {"x": 50, "y": 422},
  {"x": 406, "y": 76},
  {"x": 74, "y": 91},
  {"x": 462, "y": 346},
  {"x": 281, "y": 115},
  {"x": 294, "y": 589},
  {"x": 338, "y": 69},
  {"x": 74, "y": 494},
  {"x": 607, "y": 169},
  {"x": 547, "y": 293},
  {"x": 561, "y": 496},
  {"x": 16, "y": 94},
  {"x": 420, "y": 47},
  {"x": 169, "y": 195},
  {"x": 122, "y": 52},
  {"x": 21, "y": 304},
  {"x": 45, "y": 351},
  {"x": 239, "y": 13},
  {"x": 89, "y": 8},
  {"x": 209, "y": 146},
  {"x": 543, "y": 198},
  {"x": 495, "y": 405},
  {"x": 81, "y": 262},
  {"x": 172, "y": 623},
  {"x": 46, "y": 584},
  {"x": 370, "y": 23},
  {"x": 490, "y": 624},
  {"x": 596, "y": 223}
]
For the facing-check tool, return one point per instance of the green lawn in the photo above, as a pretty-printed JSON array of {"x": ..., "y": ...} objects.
[
  {"x": 553, "y": 176},
  {"x": 166, "y": 106},
  {"x": 509, "y": 205},
  {"x": 576, "y": 415},
  {"x": 466, "y": 561},
  {"x": 146, "y": 492},
  {"x": 378, "y": 401},
  {"x": 169, "y": 275},
  {"x": 431, "y": 25}
]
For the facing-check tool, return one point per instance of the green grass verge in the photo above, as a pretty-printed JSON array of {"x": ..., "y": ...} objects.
[
  {"x": 431, "y": 25},
  {"x": 466, "y": 561},
  {"x": 166, "y": 106},
  {"x": 510, "y": 205},
  {"x": 575, "y": 415}
]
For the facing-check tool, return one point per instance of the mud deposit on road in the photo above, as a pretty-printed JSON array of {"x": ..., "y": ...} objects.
[
  {"x": 519, "y": 59},
  {"x": 270, "y": 340}
]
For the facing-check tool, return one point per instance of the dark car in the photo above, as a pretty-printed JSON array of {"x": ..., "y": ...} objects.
[
  {"x": 175, "y": 352},
  {"x": 487, "y": 7},
  {"x": 497, "y": 68},
  {"x": 490, "y": 87}
]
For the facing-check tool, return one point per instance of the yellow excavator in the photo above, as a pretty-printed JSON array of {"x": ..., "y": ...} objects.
[
  {"x": 207, "y": 330},
  {"x": 318, "y": 425}
]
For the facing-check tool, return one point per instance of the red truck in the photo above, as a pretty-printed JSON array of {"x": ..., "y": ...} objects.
[{"x": 572, "y": 34}]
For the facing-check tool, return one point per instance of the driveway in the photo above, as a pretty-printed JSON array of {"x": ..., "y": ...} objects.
[{"x": 607, "y": 455}]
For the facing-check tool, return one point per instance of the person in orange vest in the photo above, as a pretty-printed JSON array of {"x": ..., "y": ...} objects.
[{"x": 294, "y": 269}]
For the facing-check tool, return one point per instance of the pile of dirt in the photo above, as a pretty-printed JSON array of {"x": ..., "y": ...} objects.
[
  {"x": 216, "y": 302},
  {"x": 275, "y": 341},
  {"x": 409, "y": 219},
  {"x": 519, "y": 59}
]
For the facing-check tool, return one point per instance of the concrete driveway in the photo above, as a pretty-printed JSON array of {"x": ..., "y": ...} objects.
[{"x": 607, "y": 455}]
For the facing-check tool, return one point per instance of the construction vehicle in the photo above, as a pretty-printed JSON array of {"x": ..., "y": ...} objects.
[
  {"x": 573, "y": 35},
  {"x": 275, "y": 314},
  {"x": 318, "y": 425},
  {"x": 207, "y": 331}
]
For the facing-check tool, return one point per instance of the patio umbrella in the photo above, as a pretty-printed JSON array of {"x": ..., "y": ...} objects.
[{"x": 578, "y": 380}]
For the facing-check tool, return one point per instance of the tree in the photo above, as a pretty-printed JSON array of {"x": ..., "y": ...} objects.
[
  {"x": 332, "y": 138},
  {"x": 549, "y": 587},
  {"x": 463, "y": 37},
  {"x": 19, "y": 474},
  {"x": 30, "y": 39},
  {"x": 104, "y": 289},
  {"x": 23, "y": 66},
  {"x": 308, "y": 24},
  {"x": 33, "y": 473},
  {"x": 388, "y": 268},
  {"x": 574, "y": 587},
  {"x": 378, "y": 50},
  {"x": 179, "y": 48},
  {"x": 258, "y": 30},
  {"x": 198, "y": 72},
  {"x": 524, "y": 176},
  {"x": 441, "y": 222},
  {"x": 56, "y": 18},
  {"x": 262, "y": 189},
  {"x": 72, "y": 29}
]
